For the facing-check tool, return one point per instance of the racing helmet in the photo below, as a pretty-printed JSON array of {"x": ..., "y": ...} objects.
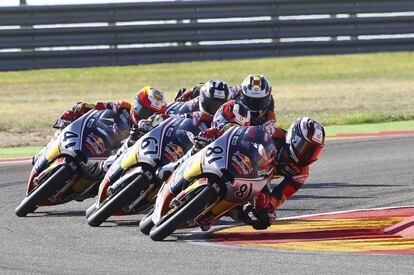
[
  {"x": 231, "y": 112},
  {"x": 213, "y": 94},
  {"x": 305, "y": 139},
  {"x": 148, "y": 100},
  {"x": 256, "y": 93}
]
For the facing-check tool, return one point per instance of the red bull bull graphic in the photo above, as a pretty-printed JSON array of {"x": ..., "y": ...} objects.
[
  {"x": 242, "y": 163},
  {"x": 173, "y": 152},
  {"x": 95, "y": 144}
]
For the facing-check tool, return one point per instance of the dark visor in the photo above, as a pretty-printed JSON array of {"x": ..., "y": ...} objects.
[
  {"x": 306, "y": 151},
  {"x": 256, "y": 104},
  {"x": 211, "y": 105},
  {"x": 140, "y": 111}
]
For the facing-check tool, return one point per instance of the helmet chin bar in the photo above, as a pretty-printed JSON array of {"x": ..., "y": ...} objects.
[{"x": 284, "y": 156}]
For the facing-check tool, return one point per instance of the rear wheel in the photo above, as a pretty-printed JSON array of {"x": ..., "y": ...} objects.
[
  {"x": 185, "y": 212},
  {"x": 29, "y": 204},
  {"x": 119, "y": 200}
]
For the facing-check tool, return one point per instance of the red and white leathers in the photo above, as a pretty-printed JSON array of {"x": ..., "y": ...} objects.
[
  {"x": 229, "y": 114},
  {"x": 294, "y": 175},
  {"x": 266, "y": 116},
  {"x": 187, "y": 100},
  {"x": 297, "y": 148},
  {"x": 82, "y": 108}
]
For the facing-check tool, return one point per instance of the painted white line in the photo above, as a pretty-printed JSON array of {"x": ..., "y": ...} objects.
[{"x": 11, "y": 162}]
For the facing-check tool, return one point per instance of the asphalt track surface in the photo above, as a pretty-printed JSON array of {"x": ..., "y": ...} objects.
[{"x": 351, "y": 174}]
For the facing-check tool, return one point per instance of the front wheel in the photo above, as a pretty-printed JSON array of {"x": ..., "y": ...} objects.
[
  {"x": 119, "y": 200},
  {"x": 185, "y": 212},
  {"x": 90, "y": 210},
  {"x": 146, "y": 223},
  {"x": 45, "y": 190}
]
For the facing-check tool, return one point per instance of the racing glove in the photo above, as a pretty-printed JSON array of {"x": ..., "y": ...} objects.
[
  {"x": 265, "y": 218},
  {"x": 263, "y": 210},
  {"x": 206, "y": 137},
  {"x": 134, "y": 135},
  {"x": 184, "y": 95},
  {"x": 144, "y": 125},
  {"x": 64, "y": 120}
]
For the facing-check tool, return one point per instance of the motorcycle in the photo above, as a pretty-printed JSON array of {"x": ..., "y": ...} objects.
[
  {"x": 131, "y": 184},
  {"x": 70, "y": 166},
  {"x": 226, "y": 174}
]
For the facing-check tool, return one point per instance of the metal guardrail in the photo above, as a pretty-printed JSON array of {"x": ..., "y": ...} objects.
[{"x": 127, "y": 33}]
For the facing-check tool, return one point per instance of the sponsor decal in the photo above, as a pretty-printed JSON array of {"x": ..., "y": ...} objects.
[
  {"x": 173, "y": 152},
  {"x": 234, "y": 140},
  {"x": 95, "y": 144},
  {"x": 242, "y": 163},
  {"x": 90, "y": 123},
  {"x": 317, "y": 136},
  {"x": 169, "y": 132},
  {"x": 156, "y": 98},
  {"x": 219, "y": 94}
]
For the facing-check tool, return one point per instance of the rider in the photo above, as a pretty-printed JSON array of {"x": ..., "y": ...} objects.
[
  {"x": 229, "y": 114},
  {"x": 212, "y": 95},
  {"x": 297, "y": 148},
  {"x": 147, "y": 101},
  {"x": 254, "y": 92}
]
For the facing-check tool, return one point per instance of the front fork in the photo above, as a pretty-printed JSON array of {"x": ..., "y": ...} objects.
[
  {"x": 37, "y": 174},
  {"x": 107, "y": 188}
]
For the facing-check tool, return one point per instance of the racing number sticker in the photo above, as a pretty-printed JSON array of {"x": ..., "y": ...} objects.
[
  {"x": 215, "y": 153},
  {"x": 70, "y": 139},
  {"x": 150, "y": 146},
  {"x": 244, "y": 191}
]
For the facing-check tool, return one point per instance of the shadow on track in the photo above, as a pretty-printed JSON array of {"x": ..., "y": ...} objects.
[
  {"x": 122, "y": 223},
  {"x": 39, "y": 214}
]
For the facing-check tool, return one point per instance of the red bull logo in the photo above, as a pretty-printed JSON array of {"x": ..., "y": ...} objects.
[
  {"x": 242, "y": 163},
  {"x": 95, "y": 144},
  {"x": 173, "y": 152}
]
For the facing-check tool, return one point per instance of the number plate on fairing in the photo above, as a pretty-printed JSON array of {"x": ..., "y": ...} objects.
[{"x": 242, "y": 190}]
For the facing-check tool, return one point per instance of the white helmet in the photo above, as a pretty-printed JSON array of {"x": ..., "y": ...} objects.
[
  {"x": 213, "y": 94},
  {"x": 256, "y": 91}
]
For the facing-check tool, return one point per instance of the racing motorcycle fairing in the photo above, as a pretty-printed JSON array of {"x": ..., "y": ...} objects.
[
  {"x": 242, "y": 153},
  {"x": 166, "y": 143},
  {"x": 241, "y": 159},
  {"x": 86, "y": 142}
]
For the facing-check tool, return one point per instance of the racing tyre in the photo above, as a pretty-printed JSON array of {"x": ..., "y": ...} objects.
[
  {"x": 185, "y": 212},
  {"x": 119, "y": 200},
  {"x": 90, "y": 210},
  {"x": 45, "y": 190},
  {"x": 146, "y": 223}
]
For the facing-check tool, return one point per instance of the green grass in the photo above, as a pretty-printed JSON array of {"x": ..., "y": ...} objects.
[
  {"x": 18, "y": 152},
  {"x": 12, "y": 152},
  {"x": 370, "y": 127},
  {"x": 336, "y": 90}
]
